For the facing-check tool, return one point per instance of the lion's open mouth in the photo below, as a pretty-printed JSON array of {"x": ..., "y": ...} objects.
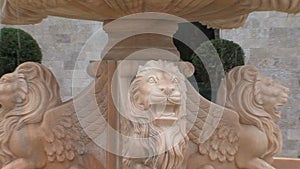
[
  {"x": 283, "y": 100},
  {"x": 165, "y": 114}
]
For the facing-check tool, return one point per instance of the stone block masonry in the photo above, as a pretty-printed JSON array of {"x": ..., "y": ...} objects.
[{"x": 63, "y": 44}]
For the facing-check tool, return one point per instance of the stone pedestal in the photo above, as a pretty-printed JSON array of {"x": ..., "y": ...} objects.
[
  {"x": 286, "y": 163},
  {"x": 141, "y": 33}
]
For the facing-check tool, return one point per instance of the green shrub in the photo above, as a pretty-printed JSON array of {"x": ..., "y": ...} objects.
[
  {"x": 16, "y": 47},
  {"x": 230, "y": 55}
]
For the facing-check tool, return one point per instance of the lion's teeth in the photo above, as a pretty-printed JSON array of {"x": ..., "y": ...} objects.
[{"x": 169, "y": 114}]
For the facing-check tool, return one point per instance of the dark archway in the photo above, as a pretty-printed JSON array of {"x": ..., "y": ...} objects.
[{"x": 189, "y": 34}]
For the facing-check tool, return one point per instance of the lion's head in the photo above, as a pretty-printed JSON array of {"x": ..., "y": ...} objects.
[
  {"x": 158, "y": 93},
  {"x": 252, "y": 94},
  {"x": 157, "y": 97},
  {"x": 25, "y": 95},
  {"x": 255, "y": 98},
  {"x": 28, "y": 92}
]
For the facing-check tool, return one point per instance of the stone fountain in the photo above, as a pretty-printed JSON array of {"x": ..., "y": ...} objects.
[{"x": 140, "y": 112}]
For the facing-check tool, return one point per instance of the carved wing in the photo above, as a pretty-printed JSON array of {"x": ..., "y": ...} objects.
[
  {"x": 70, "y": 126},
  {"x": 214, "y": 129},
  {"x": 62, "y": 133}
]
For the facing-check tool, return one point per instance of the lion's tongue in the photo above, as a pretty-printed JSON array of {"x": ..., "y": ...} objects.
[{"x": 164, "y": 114}]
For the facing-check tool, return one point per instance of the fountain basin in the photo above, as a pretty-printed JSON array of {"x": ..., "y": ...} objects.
[{"x": 215, "y": 13}]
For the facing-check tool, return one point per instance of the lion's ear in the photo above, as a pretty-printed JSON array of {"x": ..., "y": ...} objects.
[
  {"x": 257, "y": 92},
  {"x": 186, "y": 68},
  {"x": 23, "y": 88},
  {"x": 257, "y": 96}
]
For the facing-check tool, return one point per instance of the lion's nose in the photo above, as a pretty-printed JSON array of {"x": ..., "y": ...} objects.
[{"x": 167, "y": 89}]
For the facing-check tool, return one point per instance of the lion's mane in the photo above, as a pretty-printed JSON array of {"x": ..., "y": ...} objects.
[
  {"x": 40, "y": 92},
  {"x": 239, "y": 91},
  {"x": 172, "y": 159}
]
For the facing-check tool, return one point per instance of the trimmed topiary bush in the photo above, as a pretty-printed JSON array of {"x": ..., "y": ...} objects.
[
  {"x": 230, "y": 55},
  {"x": 16, "y": 47}
]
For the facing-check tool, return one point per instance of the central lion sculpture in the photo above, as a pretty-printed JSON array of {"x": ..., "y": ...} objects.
[{"x": 157, "y": 97}]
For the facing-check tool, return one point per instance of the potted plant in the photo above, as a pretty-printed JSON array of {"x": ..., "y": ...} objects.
[
  {"x": 16, "y": 47},
  {"x": 230, "y": 55}
]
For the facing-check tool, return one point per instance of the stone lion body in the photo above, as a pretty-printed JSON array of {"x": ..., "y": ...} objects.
[
  {"x": 23, "y": 98},
  {"x": 255, "y": 136},
  {"x": 157, "y": 111},
  {"x": 258, "y": 117},
  {"x": 35, "y": 126}
]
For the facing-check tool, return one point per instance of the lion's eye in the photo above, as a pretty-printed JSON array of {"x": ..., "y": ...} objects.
[
  {"x": 152, "y": 80},
  {"x": 3, "y": 80}
]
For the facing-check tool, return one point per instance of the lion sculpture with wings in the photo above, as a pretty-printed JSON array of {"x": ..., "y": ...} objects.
[
  {"x": 38, "y": 130},
  {"x": 246, "y": 136},
  {"x": 157, "y": 97}
]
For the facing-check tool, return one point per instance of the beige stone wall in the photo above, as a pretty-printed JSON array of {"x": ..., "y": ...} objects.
[
  {"x": 271, "y": 41},
  {"x": 67, "y": 51}
]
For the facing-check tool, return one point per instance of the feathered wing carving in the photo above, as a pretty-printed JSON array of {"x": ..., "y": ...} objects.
[
  {"x": 91, "y": 108},
  {"x": 215, "y": 129},
  {"x": 62, "y": 132},
  {"x": 69, "y": 127}
]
